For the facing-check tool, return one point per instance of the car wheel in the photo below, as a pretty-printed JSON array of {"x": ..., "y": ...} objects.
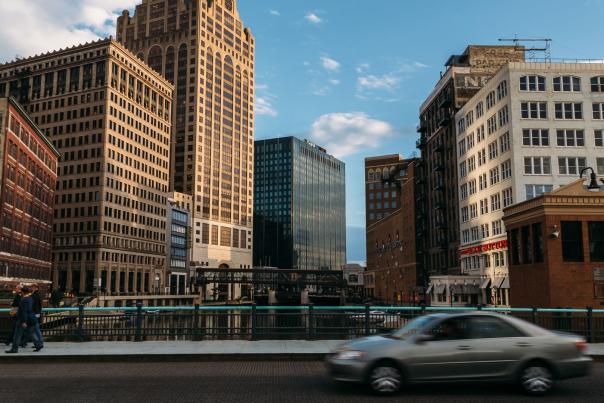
[
  {"x": 385, "y": 379},
  {"x": 536, "y": 379}
]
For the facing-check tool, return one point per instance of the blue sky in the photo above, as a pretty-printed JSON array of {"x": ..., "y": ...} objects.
[{"x": 348, "y": 74}]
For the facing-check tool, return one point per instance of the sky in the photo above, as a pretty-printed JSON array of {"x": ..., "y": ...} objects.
[{"x": 349, "y": 75}]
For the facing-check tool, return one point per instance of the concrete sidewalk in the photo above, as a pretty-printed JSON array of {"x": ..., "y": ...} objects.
[{"x": 192, "y": 351}]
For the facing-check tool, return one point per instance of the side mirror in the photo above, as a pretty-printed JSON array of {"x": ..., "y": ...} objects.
[{"x": 423, "y": 338}]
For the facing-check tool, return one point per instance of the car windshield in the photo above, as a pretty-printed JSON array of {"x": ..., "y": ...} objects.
[{"x": 412, "y": 328}]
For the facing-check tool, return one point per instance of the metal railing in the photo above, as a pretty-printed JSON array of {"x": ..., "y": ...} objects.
[{"x": 251, "y": 322}]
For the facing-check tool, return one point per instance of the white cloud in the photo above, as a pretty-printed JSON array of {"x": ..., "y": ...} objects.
[
  {"x": 344, "y": 134},
  {"x": 274, "y": 12},
  {"x": 330, "y": 64},
  {"x": 313, "y": 18},
  {"x": 362, "y": 67},
  {"x": 264, "y": 101},
  {"x": 373, "y": 86},
  {"x": 386, "y": 82},
  {"x": 34, "y": 26},
  {"x": 334, "y": 82}
]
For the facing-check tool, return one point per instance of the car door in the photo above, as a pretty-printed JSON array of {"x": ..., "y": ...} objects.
[
  {"x": 444, "y": 353},
  {"x": 496, "y": 346}
]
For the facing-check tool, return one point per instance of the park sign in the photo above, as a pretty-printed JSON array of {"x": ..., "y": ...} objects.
[{"x": 484, "y": 248}]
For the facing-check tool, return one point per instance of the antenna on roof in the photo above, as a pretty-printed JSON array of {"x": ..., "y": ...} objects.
[{"x": 546, "y": 49}]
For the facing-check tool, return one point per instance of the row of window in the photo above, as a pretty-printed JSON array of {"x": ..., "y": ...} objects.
[
  {"x": 471, "y": 211},
  {"x": 537, "y": 83}
]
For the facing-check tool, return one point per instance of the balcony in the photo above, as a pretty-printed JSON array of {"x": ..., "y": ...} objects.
[
  {"x": 444, "y": 121},
  {"x": 422, "y": 128},
  {"x": 441, "y": 226},
  {"x": 421, "y": 143},
  {"x": 445, "y": 101},
  {"x": 440, "y": 206},
  {"x": 439, "y": 167},
  {"x": 439, "y": 148}
]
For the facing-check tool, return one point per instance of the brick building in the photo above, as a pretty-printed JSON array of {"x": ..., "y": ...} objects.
[
  {"x": 391, "y": 231},
  {"x": 437, "y": 185},
  {"x": 556, "y": 248},
  {"x": 28, "y": 176}
]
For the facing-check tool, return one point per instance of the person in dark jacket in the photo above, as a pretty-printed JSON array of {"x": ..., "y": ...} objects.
[
  {"x": 37, "y": 319},
  {"x": 25, "y": 322},
  {"x": 13, "y": 315}
]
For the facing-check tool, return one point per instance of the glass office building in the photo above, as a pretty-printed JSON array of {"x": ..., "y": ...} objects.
[{"x": 300, "y": 206}]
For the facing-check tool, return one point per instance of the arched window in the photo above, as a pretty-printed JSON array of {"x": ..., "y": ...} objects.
[
  {"x": 155, "y": 60},
  {"x": 567, "y": 84},
  {"x": 385, "y": 173},
  {"x": 597, "y": 84},
  {"x": 370, "y": 175},
  {"x": 170, "y": 64}
]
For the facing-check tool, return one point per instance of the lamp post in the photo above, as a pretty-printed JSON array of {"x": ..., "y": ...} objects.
[{"x": 593, "y": 182}]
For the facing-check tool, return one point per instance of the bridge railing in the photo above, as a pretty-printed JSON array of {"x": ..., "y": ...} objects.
[{"x": 251, "y": 322}]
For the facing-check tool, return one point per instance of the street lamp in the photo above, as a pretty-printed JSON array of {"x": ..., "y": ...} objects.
[
  {"x": 157, "y": 282},
  {"x": 593, "y": 182}
]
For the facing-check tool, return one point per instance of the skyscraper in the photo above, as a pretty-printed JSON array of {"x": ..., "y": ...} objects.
[
  {"x": 108, "y": 114},
  {"x": 202, "y": 47},
  {"x": 300, "y": 210}
]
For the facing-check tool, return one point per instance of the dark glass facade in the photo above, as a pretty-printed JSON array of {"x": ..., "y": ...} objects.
[{"x": 300, "y": 206}]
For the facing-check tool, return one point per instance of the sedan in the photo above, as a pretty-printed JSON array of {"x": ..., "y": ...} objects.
[{"x": 476, "y": 346}]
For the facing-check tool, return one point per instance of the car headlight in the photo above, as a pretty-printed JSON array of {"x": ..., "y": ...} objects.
[{"x": 349, "y": 355}]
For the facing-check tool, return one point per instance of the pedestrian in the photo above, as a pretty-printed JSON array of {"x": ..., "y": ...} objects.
[
  {"x": 37, "y": 310},
  {"x": 14, "y": 306},
  {"x": 25, "y": 322}
]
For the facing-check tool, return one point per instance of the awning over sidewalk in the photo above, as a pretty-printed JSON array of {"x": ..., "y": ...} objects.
[
  {"x": 429, "y": 290},
  {"x": 505, "y": 283},
  {"x": 498, "y": 281},
  {"x": 471, "y": 289},
  {"x": 439, "y": 289},
  {"x": 486, "y": 283},
  {"x": 456, "y": 289}
]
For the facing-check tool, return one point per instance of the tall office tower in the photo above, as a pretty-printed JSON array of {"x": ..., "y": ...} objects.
[
  {"x": 438, "y": 205},
  {"x": 109, "y": 116},
  {"x": 202, "y": 47},
  {"x": 300, "y": 210},
  {"x": 28, "y": 176}
]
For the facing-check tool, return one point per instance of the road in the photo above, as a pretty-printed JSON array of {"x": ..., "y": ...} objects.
[{"x": 217, "y": 382}]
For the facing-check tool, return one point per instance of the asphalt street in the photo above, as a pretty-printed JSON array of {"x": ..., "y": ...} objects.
[{"x": 216, "y": 382}]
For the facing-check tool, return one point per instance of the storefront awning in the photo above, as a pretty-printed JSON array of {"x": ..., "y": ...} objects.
[
  {"x": 439, "y": 289},
  {"x": 486, "y": 283},
  {"x": 456, "y": 289},
  {"x": 505, "y": 283},
  {"x": 429, "y": 289},
  {"x": 498, "y": 281}
]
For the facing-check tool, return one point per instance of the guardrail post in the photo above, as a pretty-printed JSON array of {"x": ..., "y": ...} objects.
[
  {"x": 591, "y": 337},
  {"x": 254, "y": 318},
  {"x": 311, "y": 325},
  {"x": 423, "y": 306},
  {"x": 80, "y": 323},
  {"x": 367, "y": 319},
  {"x": 479, "y": 307},
  {"x": 534, "y": 315},
  {"x": 196, "y": 330},
  {"x": 138, "y": 322}
]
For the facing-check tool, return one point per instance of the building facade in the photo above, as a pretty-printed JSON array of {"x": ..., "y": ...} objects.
[
  {"x": 202, "y": 47},
  {"x": 532, "y": 128},
  {"x": 109, "y": 116},
  {"x": 557, "y": 248},
  {"x": 354, "y": 275},
  {"x": 437, "y": 172},
  {"x": 179, "y": 239},
  {"x": 392, "y": 257},
  {"x": 300, "y": 208},
  {"x": 28, "y": 176}
]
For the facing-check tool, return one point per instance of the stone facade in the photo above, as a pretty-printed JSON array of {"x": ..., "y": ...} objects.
[{"x": 109, "y": 116}]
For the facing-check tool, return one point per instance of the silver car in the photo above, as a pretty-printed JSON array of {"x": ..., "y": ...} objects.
[{"x": 462, "y": 347}]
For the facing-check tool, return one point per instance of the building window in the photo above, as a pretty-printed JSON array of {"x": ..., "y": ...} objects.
[
  {"x": 598, "y": 110},
  {"x": 484, "y": 206},
  {"x": 482, "y": 180},
  {"x": 515, "y": 246},
  {"x": 463, "y": 170},
  {"x": 470, "y": 141},
  {"x": 465, "y": 235},
  {"x": 508, "y": 199},
  {"x": 567, "y": 84},
  {"x": 504, "y": 116},
  {"x": 495, "y": 202},
  {"x": 480, "y": 133},
  {"x": 533, "y": 191},
  {"x": 504, "y": 142},
  {"x": 506, "y": 170},
  {"x": 598, "y": 138},
  {"x": 537, "y": 242},
  {"x": 484, "y": 228},
  {"x": 525, "y": 242},
  {"x": 496, "y": 225},
  {"x": 493, "y": 150},
  {"x": 479, "y": 110},
  {"x": 533, "y": 110},
  {"x": 482, "y": 157},
  {"x": 494, "y": 175},
  {"x": 471, "y": 164},
  {"x": 473, "y": 211},
  {"x": 568, "y": 110},
  {"x": 490, "y": 100},
  {"x": 492, "y": 125},
  {"x": 462, "y": 147},
  {"x": 570, "y": 138},
  {"x": 532, "y": 83},
  {"x": 596, "y": 241},
  {"x": 600, "y": 165},
  {"x": 472, "y": 187},
  {"x": 535, "y": 137},
  {"x": 464, "y": 214},
  {"x": 572, "y": 241},
  {"x": 502, "y": 90},
  {"x": 537, "y": 166},
  {"x": 463, "y": 191},
  {"x": 597, "y": 84},
  {"x": 571, "y": 165}
]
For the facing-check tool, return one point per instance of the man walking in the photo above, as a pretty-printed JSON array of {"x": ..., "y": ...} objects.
[
  {"x": 13, "y": 315},
  {"x": 25, "y": 322},
  {"x": 37, "y": 319}
]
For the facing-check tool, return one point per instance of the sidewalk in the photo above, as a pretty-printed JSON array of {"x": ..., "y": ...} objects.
[{"x": 193, "y": 351}]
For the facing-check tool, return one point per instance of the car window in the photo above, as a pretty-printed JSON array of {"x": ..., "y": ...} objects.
[
  {"x": 413, "y": 327},
  {"x": 450, "y": 329},
  {"x": 489, "y": 328}
]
